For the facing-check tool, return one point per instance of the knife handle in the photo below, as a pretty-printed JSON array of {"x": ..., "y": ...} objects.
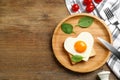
[{"x": 118, "y": 27}]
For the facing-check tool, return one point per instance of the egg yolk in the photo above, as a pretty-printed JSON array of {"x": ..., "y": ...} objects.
[{"x": 80, "y": 46}]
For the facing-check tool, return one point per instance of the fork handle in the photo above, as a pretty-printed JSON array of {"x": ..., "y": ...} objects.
[{"x": 107, "y": 22}]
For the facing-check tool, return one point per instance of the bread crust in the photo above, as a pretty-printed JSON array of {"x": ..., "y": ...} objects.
[{"x": 92, "y": 54}]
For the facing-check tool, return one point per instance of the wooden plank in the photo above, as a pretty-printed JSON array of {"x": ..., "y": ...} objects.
[{"x": 26, "y": 29}]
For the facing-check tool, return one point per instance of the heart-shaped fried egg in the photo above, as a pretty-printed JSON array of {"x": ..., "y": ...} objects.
[{"x": 81, "y": 45}]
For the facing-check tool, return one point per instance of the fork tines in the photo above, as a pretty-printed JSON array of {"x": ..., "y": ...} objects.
[{"x": 108, "y": 13}]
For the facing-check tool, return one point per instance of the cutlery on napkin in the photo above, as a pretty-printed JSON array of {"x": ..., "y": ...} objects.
[
  {"x": 110, "y": 47},
  {"x": 114, "y": 5}
]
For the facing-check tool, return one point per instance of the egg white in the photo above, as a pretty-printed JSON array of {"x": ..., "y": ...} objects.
[{"x": 83, "y": 36}]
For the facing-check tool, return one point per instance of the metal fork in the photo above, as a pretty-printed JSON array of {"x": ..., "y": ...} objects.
[{"x": 113, "y": 20}]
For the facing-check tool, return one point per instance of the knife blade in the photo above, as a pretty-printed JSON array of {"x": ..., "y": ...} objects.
[{"x": 110, "y": 47}]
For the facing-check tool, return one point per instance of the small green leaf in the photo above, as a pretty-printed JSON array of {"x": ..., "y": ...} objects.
[
  {"x": 76, "y": 58},
  {"x": 67, "y": 28},
  {"x": 85, "y": 22}
]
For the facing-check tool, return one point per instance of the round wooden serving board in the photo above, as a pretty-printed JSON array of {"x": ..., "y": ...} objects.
[{"x": 97, "y": 29}]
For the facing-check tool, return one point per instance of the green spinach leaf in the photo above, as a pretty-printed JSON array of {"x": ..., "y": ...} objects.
[
  {"x": 85, "y": 22},
  {"x": 76, "y": 58},
  {"x": 67, "y": 28}
]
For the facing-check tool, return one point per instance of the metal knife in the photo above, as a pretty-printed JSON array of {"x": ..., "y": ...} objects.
[{"x": 110, "y": 47}]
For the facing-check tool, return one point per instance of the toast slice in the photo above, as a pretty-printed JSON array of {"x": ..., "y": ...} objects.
[{"x": 92, "y": 54}]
